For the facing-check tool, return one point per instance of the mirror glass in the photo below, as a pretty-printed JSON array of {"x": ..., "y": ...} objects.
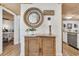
[{"x": 33, "y": 18}]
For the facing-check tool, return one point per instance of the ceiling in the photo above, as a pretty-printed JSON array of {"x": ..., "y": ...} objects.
[
  {"x": 70, "y": 10},
  {"x": 7, "y": 16},
  {"x": 14, "y": 7}
]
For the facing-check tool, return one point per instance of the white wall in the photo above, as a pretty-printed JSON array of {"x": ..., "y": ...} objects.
[
  {"x": 16, "y": 29},
  {"x": 1, "y": 30},
  {"x": 43, "y": 29}
]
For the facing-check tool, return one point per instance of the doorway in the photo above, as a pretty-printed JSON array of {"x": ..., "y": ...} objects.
[
  {"x": 8, "y": 30},
  {"x": 70, "y": 29}
]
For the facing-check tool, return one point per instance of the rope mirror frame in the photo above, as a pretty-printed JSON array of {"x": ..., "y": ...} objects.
[{"x": 30, "y": 11}]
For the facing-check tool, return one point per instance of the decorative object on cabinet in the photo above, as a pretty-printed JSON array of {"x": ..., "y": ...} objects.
[
  {"x": 49, "y": 23},
  {"x": 33, "y": 17},
  {"x": 31, "y": 30},
  {"x": 48, "y": 12}
]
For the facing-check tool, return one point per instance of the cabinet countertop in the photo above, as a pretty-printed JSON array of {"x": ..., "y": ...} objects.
[{"x": 40, "y": 35}]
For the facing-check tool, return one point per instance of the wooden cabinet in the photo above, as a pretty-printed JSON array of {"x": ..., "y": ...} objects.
[
  {"x": 39, "y": 45},
  {"x": 31, "y": 46},
  {"x": 48, "y": 46}
]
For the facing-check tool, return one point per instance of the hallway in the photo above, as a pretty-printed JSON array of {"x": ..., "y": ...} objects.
[{"x": 11, "y": 50}]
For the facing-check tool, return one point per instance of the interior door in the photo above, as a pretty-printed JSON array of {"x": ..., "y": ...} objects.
[
  {"x": 48, "y": 46},
  {"x": 32, "y": 48}
]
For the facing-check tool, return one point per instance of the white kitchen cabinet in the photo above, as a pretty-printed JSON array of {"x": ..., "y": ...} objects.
[{"x": 65, "y": 37}]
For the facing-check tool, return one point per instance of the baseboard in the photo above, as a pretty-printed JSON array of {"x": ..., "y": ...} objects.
[
  {"x": 65, "y": 43},
  {"x": 59, "y": 54},
  {"x": 16, "y": 43}
]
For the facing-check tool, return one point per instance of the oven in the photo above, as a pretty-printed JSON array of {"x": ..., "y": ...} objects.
[{"x": 72, "y": 39}]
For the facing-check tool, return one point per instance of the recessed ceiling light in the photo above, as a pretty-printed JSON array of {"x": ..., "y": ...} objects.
[{"x": 68, "y": 17}]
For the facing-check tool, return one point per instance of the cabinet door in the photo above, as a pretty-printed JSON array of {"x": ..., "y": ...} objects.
[
  {"x": 33, "y": 47},
  {"x": 48, "y": 46},
  {"x": 26, "y": 47}
]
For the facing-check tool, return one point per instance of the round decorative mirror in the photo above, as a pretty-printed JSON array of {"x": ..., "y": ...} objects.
[{"x": 33, "y": 17}]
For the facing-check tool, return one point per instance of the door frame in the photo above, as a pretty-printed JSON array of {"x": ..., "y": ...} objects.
[{"x": 1, "y": 19}]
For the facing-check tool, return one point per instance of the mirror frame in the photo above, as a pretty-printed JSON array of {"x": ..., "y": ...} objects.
[{"x": 30, "y": 11}]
